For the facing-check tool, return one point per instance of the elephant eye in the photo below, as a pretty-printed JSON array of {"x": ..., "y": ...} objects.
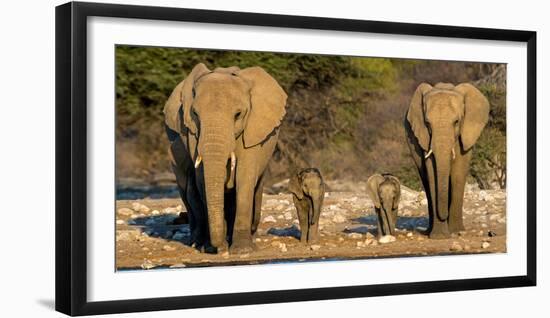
[
  {"x": 237, "y": 115},
  {"x": 193, "y": 92}
]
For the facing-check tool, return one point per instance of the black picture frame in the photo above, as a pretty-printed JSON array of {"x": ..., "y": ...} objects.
[{"x": 71, "y": 157}]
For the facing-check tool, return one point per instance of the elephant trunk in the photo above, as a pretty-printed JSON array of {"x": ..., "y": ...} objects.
[
  {"x": 215, "y": 151},
  {"x": 316, "y": 202},
  {"x": 387, "y": 220},
  {"x": 443, "y": 167}
]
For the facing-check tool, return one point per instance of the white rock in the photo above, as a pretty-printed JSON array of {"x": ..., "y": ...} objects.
[
  {"x": 288, "y": 215},
  {"x": 280, "y": 217},
  {"x": 485, "y": 244},
  {"x": 119, "y": 222},
  {"x": 360, "y": 244},
  {"x": 386, "y": 239},
  {"x": 354, "y": 235},
  {"x": 501, "y": 220},
  {"x": 147, "y": 264},
  {"x": 283, "y": 248},
  {"x": 168, "y": 248},
  {"x": 327, "y": 194},
  {"x": 280, "y": 207},
  {"x": 456, "y": 247},
  {"x": 338, "y": 218},
  {"x": 409, "y": 234},
  {"x": 369, "y": 235},
  {"x": 269, "y": 219},
  {"x": 155, "y": 212},
  {"x": 315, "y": 247},
  {"x": 125, "y": 211}
]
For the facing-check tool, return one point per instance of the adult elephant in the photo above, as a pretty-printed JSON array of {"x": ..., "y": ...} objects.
[
  {"x": 443, "y": 123},
  {"x": 223, "y": 126}
]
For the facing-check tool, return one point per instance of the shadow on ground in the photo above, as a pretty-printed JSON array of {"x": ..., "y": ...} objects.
[
  {"x": 292, "y": 231},
  {"x": 162, "y": 226},
  {"x": 403, "y": 223}
]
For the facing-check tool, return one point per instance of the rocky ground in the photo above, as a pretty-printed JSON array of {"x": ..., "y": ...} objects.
[{"x": 146, "y": 237}]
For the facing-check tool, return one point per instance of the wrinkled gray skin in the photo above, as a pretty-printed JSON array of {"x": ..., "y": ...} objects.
[
  {"x": 308, "y": 192},
  {"x": 385, "y": 193},
  {"x": 223, "y": 128},
  {"x": 443, "y": 123}
]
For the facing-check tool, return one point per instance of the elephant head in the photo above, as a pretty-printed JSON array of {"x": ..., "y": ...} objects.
[
  {"x": 309, "y": 183},
  {"x": 444, "y": 118},
  {"x": 385, "y": 193},
  {"x": 217, "y": 108}
]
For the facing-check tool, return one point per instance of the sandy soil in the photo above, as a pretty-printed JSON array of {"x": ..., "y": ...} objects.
[{"x": 147, "y": 239}]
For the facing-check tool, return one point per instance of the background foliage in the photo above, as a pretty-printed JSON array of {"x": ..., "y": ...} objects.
[{"x": 344, "y": 114}]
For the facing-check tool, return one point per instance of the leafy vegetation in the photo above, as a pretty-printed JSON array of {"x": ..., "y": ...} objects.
[{"x": 344, "y": 114}]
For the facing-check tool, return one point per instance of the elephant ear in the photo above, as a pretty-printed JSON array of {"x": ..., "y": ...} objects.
[
  {"x": 372, "y": 188},
  {"x": 172, "y": 107},
  {"x": 182, "y": 95},
  {"x": 476, "y": 114},
  {"x": 268, "y": 101},
  {"x": 397, "y": 186},
  {"x": 188, "y": 95},
  {"x": 415, "y": 116},
  {"x": 295, "y": 187}
]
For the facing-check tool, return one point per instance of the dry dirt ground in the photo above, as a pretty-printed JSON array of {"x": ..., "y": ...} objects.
[{"x": 147, "y": 239}]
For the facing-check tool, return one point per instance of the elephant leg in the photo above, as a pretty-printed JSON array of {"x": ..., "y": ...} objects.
[
  {"x": 379, "y": 222},
  {"x": 459, "y": 172},
  {"x": 258, "y": 196},
  {"x": 199, "y": 230},
  {"x": 242, "y": 233},
  {"x": 230, "y": 210},
  {"x": 313, "y": 234},
  {"x": 439, "y": 228},
  {"x": 302, "y": 210}
]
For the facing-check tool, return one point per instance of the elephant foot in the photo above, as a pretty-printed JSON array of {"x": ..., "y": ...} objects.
[
  {"x": 455, "y": 227},
  {"x": 242, "y": 246}
]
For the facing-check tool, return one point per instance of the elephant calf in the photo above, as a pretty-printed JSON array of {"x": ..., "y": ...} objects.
[
  {"x": 385, "y": 191},
  {"x": 308, "y": 192}
]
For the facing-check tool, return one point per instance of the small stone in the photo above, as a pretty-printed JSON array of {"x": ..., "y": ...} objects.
[
  {"x": 155, "y": 212},
  {"x": 485, "y": 245},
  {"x": 484, "y": 225},
  {"x": 244, "y": 255},
  {"x": 145, "y": 248},
  {"x": 501, "y": 220},
  {"x": 338, "y": 218},
  {"x": 467, "y": 247},
  {"x": 269, "y": 219},
  {"x": 119, "y": 222},
  {"x": 340, "y": 239},
  {"x": 387, "y": 239},
  {"x": 147, "y": 264},
  {"x": 125, "y": 211},
  {"x": 225, "y": 254},
  {"x": 178, "y": 266},
  {"x": 275, "y": 243},
  {"x": 283, "y": 248},
  {"x": 409, "y": 234},
  {"x": 354, "y": 235},
  {"x": 280, "y": 217},
  {"x": 360, "y": 244},
  {"x": 288, "y": 215},
  {"x": 258, "y": 239},
  {"x": 456, "y": 247},
  {"x": 369, "y": 235},
  {"x": 315, "y": 247},
  {"x": 168, "y": 248}
]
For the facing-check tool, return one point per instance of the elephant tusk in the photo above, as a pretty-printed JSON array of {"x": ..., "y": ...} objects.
[
  {"x": 428, "y": 154},
  {"x": 198, "y": 161},
  {"x": 453, "y": 152},
  {"x": 233, "y": 161}
]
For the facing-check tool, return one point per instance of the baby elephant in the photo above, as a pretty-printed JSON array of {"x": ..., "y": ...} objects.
[
  {"x": 308, "y": 192},
  {"x": 385, "y": 191}
]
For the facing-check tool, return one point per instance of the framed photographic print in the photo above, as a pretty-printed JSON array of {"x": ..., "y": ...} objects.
[{"x": 208, "y": 158}]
